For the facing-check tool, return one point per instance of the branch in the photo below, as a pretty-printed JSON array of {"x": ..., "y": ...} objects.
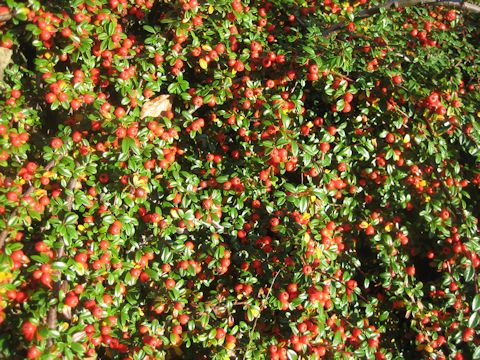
[
  {"x": 407, "y": 3},
  {"x": 262, "y": 307},
  {"x": 469, "y": 7},
  {"x": 218, "y": 226},
  {"x": 52, "y": 312},
  {"x": 4, "y": 233}
]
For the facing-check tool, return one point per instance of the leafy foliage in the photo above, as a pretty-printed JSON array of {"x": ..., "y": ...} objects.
[{"x": 309, "y": 189}]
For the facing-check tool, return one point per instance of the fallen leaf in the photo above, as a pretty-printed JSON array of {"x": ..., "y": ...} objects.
[
  {"x": 67, "y": 312},
  {"x": 157, "y": 107},
  {"x": 78, "y": 336},
  {"x": 5, "y": 56},
  {"x": 5, "y": 14}
]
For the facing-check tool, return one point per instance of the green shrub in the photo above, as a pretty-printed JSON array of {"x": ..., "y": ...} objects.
[{"x": 266, "y": 179}]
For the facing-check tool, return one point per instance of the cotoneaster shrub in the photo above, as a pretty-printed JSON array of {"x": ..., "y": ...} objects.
[{"x": 308, "y": 189}]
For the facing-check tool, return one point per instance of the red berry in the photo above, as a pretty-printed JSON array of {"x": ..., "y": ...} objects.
[
  {"x": 119, "y": 112},
  {"x": 15, "y": 93},
  {"x": 198, "y": 101},
  {"x": 33, "y": 353},
  {"x": 66, "y": 32},
  {"x": 348, "y": 97},
  {"x": 397, "y": 79},
  {"x": 29, "y": 330},
  {"x": 115, "y": 228},
  {"x": 170, "y": 283},
  {"x": 445, "y": 214},
  {"x": 50, "y": 98},
  {"x": 12, "y": 196},
  {"x": 390, "y": 138},
  {"x": 467, "y": 334},
  {"x": 71, "y": 300},
  {"x": 220, "y": 333},
  {"x": 410, "y": 270},
  {"x": 56, "y": 143}
]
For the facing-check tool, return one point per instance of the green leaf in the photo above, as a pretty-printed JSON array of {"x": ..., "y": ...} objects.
[
  {"x": 62, "y": 170},
  {"x": 127, "y": 143},
  {"x": 384, "y": 316},
  {"x": 363, "y": 152},
  {"x": 291, "y": 354},
  {"x": 290, "y": 187},
  {"x": 71, "y": 218},
  {"x": 174, "y": 88},
  {"x": 77, "y": 347},
  {"x": 81, "y": 199},
  {"x": 476, "y": 303},
  {"x": 337, "y": 339},
  {"x": 111, "y": 27},
  {"x": 294, "y": 148},
  {"x": 469, "y": 273},
  {"x": 303, "y": 204},
  {"x": 59, "y": 265},
  {"x": 474, "y": 320},
  {"x": 310, "y": 150},
  {"x": 124, "y": 317},
  {"x": 222, "y": 179},
  {"x": 476, "y": 353},
  {"x": 149, "y": 29},
  {"x": 11, "y": 247}
]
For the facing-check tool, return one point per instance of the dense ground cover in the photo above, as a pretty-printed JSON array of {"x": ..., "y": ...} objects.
[{"x": 227, "y": 179}]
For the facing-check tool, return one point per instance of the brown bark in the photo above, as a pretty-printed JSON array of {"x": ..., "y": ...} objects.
[
  {"x": 398, "y": 4},
  {"x": 52, "y": 312}
]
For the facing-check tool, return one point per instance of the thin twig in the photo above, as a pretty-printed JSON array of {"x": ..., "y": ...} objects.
[
  {"x": 393, "y": 4},
  {"x": 218, "y": 226},
  {"x": 52, "y": 312},
  {"x": 262, "y": 307}
]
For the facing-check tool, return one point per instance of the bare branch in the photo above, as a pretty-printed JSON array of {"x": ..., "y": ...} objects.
[
  {"x": 262, "y": 307},
  {"x": 398, "y": 4},
  {"x": 407, "y": 3},
  {"x": 52, "y": 312}
]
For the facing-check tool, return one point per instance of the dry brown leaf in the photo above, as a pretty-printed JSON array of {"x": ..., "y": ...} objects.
[
  {"x": 67, "y": 312},
  {"x": 5, "y": 15},
  {"x": 157, "y": 107},
  {"x": 5, "y": 56},
  {"x": 78, "y": 336}
]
